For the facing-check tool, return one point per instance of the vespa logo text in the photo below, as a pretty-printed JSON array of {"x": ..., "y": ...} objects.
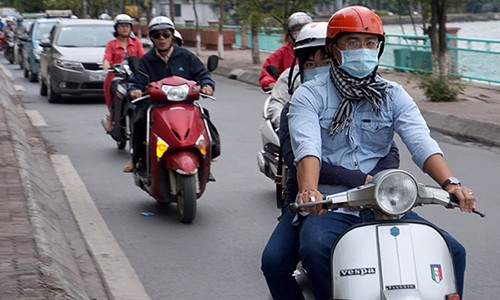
[{"x": 357, "y": 272}]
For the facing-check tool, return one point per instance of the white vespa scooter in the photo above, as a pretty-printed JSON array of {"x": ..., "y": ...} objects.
[{"x": 389, "y": 258}]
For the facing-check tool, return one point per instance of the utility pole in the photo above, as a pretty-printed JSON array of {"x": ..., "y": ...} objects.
[
  {"x": 220, "y": 40},
  {"x": 172, "y": 11},
  {"x": 339, "y": 4}
]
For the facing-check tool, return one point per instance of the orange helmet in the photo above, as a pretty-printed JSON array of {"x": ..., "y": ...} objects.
[{"x": 355, "y": 19}]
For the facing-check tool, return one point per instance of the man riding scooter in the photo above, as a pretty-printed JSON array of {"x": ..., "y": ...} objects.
[
  {"x": 348, "y": 116},
  {"x": 163, "y": 60}
]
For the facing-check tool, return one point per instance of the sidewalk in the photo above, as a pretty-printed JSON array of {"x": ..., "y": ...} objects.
[
  {"x": 43, "y": 255},
  {"x": 475, "y": 117}
]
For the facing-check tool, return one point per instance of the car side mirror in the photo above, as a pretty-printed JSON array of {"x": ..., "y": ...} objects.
[
  {"x": 212, "y": 63},
  {"x": 45, "y": 43}
]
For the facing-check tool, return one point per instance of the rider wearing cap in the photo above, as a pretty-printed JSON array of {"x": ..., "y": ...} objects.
[
  {"x": 348, "y": 117},
  {"x": 282, "y": 58},
  {"x": 117, "y": 50},
  {"x": 164, "y": 59}
]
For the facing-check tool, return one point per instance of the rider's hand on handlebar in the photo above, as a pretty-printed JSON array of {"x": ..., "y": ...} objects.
[
  {"x": 134, "y": 94},
  {"x": 105, "y": 65},
  {"x": 464, "y": 195},
  {"x": 311, "y": 196},
  {"x": 207, "y": 90}
]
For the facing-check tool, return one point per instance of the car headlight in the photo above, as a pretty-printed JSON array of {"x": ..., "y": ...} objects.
[
  {"x": 176, "y": 93},
  {"x": 396, "y": 192},
  {"x": 72, "y": 65}
]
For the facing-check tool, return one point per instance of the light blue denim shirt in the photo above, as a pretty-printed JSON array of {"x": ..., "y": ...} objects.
[{"x": 368, "y": 137}]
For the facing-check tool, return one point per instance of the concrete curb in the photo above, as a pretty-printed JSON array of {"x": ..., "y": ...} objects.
[{"x": 60, "y": 275}]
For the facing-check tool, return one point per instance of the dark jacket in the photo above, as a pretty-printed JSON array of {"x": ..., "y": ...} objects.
[
  {"x": 329, "y": 174},
  {"x": 181, "y": 63}
]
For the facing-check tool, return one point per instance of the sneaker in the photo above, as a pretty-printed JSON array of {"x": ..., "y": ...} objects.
[
  {"x": 129, "y": 166},
  {"x": 106, "y": 123}
]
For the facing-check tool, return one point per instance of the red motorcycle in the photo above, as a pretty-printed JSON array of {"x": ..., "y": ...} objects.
[{"x": 178, "y": 143}]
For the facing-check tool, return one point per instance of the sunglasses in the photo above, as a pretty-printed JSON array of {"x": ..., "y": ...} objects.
[{"x": 158, "y": 35}]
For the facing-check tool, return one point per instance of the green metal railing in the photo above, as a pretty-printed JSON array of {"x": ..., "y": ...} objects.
[{"x": 470, "y": 58}]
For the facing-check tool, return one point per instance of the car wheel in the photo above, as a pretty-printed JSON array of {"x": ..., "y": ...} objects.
[
  {"x": 53, "y": 96},
  {"x": 43, "y": 87}
]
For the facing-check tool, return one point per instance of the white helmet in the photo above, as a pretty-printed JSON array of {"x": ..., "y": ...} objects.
[
  {"x": 296, "y": 20},
  {"x": 161, "y": 22},
  {"x": 178, "y": 37},
  {"x": 123, "y": 19},
  {"x": 311, "y": 35}
]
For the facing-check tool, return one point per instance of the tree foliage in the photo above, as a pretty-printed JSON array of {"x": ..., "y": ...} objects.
[{"x": 265, "y": 14}]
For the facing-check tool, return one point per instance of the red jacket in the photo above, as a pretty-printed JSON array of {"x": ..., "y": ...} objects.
[
  {"x": 282, "y": 58},
  {"x": 115, "y": 54}
]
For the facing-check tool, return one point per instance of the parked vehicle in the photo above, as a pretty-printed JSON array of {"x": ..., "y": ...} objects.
[
  {"x": 122, "y": 108},
  {"x": 32, "y": 50},
  {"x": 71, "y": 60},
  {"x": 178, "y": 143},
  {"x": 389, "y": 258}
]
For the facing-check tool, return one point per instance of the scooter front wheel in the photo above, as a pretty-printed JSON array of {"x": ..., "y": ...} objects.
[{"x": 186, "y": 198}]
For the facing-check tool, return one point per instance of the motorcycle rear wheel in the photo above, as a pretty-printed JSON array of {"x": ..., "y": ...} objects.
[{"x": 186, "y": 198}]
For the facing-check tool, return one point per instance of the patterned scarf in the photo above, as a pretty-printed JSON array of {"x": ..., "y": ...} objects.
[{"x": 353, "y": 89}]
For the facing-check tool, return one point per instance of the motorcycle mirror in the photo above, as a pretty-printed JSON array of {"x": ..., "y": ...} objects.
[
  {"x": 273, "y": 71},
  {"x": 212, "y": 63}
]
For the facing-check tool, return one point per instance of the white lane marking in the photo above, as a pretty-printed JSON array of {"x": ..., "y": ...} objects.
[
  {"x": 18, "y": 88},
  {"x": 7, "y": 72},
  {"x": 117, "y": 272},
  {"x": 36, "y": 118}
]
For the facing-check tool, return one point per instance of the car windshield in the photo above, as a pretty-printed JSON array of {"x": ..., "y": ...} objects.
[
  {"x": 85, "y": 36},
  {"x": 43, "y": 30}
]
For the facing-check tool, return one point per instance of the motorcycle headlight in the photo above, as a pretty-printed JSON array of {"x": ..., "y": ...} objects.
[
  {"x": 72, "y": 65},
  {"x": 176, "y": 93},
  {"x": 396, "y": 192}
]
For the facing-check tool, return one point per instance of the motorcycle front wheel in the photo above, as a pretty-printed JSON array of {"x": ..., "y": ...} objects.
[{"x": 186, "y": 198}]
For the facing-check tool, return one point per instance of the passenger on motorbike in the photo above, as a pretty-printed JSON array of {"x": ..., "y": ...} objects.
[
  {"x": 118, "y": 50},
  {"x": 163, "y": 60},
  {"x": 309, "y": 51},
  {"x": 348, "y": 117},
  {"x": 282, "y": 58}
]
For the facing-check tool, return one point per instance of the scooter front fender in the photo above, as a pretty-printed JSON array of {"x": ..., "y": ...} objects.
[{"x": 183, "y": 162}]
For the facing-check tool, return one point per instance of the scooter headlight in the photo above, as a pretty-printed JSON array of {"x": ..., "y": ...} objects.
[
  {"x": 176, "y": 93},
  {"x": 201, "y": 144},
  {"x": 161, "y": 147},
  {"x": 396, "y": 192}
]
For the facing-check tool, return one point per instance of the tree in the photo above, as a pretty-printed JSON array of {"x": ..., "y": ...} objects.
[{"x": 266, "y": 14}]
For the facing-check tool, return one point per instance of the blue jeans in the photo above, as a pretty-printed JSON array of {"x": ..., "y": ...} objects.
[{"x": 313, "y": 239}]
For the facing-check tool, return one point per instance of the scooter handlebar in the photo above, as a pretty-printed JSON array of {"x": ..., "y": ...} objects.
[
  {"x": 456, "y": 203},
  {"x": 207, "y": 96},
  {"x": 134, "y": 101}
]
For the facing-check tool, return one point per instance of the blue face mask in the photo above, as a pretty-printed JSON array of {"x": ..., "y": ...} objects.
[
  {"x": 309, "y": 74},
  {"x": 359, "y": 63}
]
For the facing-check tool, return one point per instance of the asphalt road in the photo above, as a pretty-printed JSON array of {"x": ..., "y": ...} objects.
[{"x": 218, "y": 256}]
